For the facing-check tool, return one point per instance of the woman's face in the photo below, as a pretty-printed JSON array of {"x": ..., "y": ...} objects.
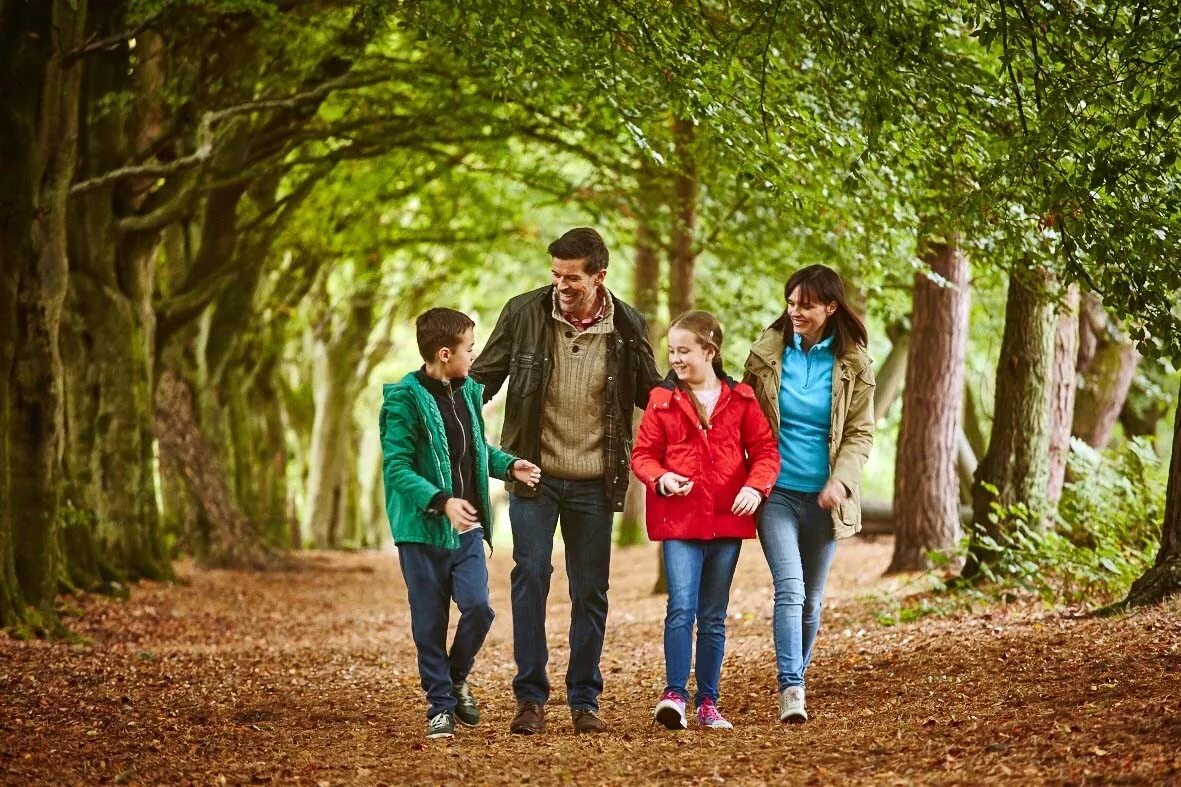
[
  {"x": 691, "y": 362},
  {"x": 808, "y": 317}
]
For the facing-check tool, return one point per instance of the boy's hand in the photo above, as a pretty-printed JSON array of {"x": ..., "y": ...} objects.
[
  {"x": 746, "y": 502},
  {"x": 462, "y": 514},
  {"x": 674, "y": 484},
  {"x": 526, "y": 472}
]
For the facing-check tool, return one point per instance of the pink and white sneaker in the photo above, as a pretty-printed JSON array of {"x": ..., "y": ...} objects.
[
  {"x": 670, "y": 711},
  {"x": 708, "y": 716}
]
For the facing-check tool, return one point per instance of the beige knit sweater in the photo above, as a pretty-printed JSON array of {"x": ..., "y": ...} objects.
[{"x": 572, "y": 428}]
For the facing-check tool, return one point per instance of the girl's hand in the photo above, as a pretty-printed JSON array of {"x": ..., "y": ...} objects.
[
  {"x": 526, "y": 472},
  {"x": 746, "y": 502},
  {"x": 462, "y": 514},
  {"x": 833, "y": 494},
  {"x": 674, "y": 484}
]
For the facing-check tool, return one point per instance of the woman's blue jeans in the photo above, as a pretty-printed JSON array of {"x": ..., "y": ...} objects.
[
  {"x": 797, "y": 538},
  {"x": 699, "y": 577}
]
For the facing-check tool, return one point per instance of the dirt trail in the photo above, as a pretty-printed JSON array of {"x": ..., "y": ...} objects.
[{"x": 308, "y": 676}]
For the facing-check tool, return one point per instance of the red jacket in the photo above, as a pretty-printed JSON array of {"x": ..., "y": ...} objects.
[{"x": 737, "y": 450}]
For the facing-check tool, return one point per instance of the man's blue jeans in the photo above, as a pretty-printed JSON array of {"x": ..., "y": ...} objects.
[
  {"x": 699, "y": 577},
  {"x": 586, "y": 519},
  {"x": 434, "y": 576},
  {"x": 797, "y": 538}
]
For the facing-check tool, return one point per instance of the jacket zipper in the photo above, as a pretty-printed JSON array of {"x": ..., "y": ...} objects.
[{"x": 463, "y": 432}]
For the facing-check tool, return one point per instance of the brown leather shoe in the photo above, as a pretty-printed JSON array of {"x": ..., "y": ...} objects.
[
  {"x": 586, "y": 720},
  {"x": 530, "y": 719}
]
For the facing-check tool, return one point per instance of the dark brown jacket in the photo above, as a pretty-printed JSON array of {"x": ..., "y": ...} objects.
[{"x": 520, "y": 350}]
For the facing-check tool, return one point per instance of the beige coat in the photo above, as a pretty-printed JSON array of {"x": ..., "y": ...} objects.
[{"x": 850, "y": 437}]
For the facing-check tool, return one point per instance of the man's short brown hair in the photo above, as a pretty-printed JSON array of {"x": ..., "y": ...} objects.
[
  {"x": 582, "y": 243},
  {"x": 438, "y": 328}
]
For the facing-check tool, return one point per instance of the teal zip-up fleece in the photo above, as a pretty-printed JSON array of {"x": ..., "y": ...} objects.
[{"x": 416, "y": 462}]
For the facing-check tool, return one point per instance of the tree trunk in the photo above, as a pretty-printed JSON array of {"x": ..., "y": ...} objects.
[
  {"x": 333, "y": 408},
  {"x": 38, "y": 130},
  {"x": 646, "y": 298},
  {"x": 892, "y": 373},
  {"x": 229, "y": 539},
  {"x": 1164, "y": 578},
  {"x": 1107, "y": 362},
  {"x": 110, "y": 325},
  {"x": 926, "y": 484},
  {"x": 1063, "y": 391},
  {"x": 1016, "y": 464}
]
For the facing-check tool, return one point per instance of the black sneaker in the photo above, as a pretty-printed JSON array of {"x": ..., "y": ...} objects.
[
  {"x": 441, "y": 725},
  {"x": 466, "y": 709}
]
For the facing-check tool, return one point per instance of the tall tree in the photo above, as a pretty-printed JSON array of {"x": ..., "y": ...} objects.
[
  {"x": 1164, "y": 578},
  {"x": 1062, "y": 392},
  {"x": 39, "y": 120},
  {"x": 1015, "y": 468},
  {"x": 1107, "y": 361},
  {"x": 926, "y": 488}
]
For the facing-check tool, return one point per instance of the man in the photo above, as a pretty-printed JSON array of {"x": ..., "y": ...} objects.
[{"x": 577, "y": 360}]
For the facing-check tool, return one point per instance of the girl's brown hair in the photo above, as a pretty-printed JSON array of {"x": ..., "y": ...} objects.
[
  {"x": 821, "y": 284},
  {"x": 708, "y": 332}
]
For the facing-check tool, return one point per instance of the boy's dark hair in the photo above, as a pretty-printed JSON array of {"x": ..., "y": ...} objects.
[
  {"x": 439, "y": 328},
  {"x": 582, "y": 243}
]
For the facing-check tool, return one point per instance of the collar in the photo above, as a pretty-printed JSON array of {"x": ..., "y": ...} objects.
[
  {"x": 438, "y": 386},
  {"x": 581, "y": 325},
  {"x": 823, "y": 344}
]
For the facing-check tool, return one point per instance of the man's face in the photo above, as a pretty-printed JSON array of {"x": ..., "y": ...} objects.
[{"x": 577, "y": 289}]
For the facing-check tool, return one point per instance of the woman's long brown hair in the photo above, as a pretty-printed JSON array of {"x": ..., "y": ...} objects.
[{"x": 821, "y": 284}]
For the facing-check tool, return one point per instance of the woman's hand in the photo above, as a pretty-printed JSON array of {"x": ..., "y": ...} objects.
[
  {"x": 462, "y": 514},
  {"x": 674, "y": 484},
  {"x": 746, "y": 502},
  {"x": 526, "y": 472},
  {"x": 833, "y": 494}
]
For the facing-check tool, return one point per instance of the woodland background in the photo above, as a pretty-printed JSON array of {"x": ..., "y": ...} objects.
[{"x": 218, "y": 220}]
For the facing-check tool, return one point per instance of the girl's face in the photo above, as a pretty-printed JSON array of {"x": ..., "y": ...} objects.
[
  {"x": 692, "y": 362},
  {"x": 808, "y": 317}
]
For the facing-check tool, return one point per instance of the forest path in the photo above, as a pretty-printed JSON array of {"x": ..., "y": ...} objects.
[{"x": 308, "y": 676}]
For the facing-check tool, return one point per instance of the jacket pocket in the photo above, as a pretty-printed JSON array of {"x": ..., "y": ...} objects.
[{"x": 524, "y": 374}]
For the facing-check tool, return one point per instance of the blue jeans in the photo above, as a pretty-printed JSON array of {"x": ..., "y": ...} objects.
[
  {"x": 798, "y": 542},
  {"x": 586, "y": 518},
  {"x": 699, "y": 577},
  {"x": 434, "y": 576}
]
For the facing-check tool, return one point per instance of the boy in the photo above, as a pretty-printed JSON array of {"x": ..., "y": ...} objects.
[{"x": 436, "y": 468}]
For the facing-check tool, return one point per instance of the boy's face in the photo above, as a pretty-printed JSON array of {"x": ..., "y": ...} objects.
[{"x": 458, "y": 362}]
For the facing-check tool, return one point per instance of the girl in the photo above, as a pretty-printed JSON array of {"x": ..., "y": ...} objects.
[
  {"x": 815, "y": 384},
  {"x": 708, "y": 458}
]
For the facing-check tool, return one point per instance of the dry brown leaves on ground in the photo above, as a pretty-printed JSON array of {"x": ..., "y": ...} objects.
[{"x": 308, "y": 676}]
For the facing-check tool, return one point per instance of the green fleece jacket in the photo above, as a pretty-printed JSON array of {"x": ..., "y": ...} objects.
[{"x": 416, "y": 462}]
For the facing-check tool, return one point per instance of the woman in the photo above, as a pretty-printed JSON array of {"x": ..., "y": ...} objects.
[{"x": 814, "y": 382}]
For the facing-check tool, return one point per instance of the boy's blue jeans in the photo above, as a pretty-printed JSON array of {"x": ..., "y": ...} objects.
[
  {"x": 797, "y": 538},
  {"x": 699, "y": 577},
  {"x": 434, "y": 576},
  {"x": 586, "y": 519}
]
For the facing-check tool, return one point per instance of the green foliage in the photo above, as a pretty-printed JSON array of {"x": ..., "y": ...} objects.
[{"x": 1105, "y": 535}]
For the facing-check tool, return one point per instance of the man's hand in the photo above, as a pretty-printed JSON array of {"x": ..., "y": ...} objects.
[
  {"x": 462, "y": 514},
  {"x": 746, "y": 502},
  {"x": 526, "y": 472},
  {"x": 674, "y": 484},
  {"x": 833, "y": 494}
]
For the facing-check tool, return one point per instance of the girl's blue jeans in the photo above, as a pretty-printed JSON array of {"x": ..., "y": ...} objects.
[{"x": 699, "y": 577}]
